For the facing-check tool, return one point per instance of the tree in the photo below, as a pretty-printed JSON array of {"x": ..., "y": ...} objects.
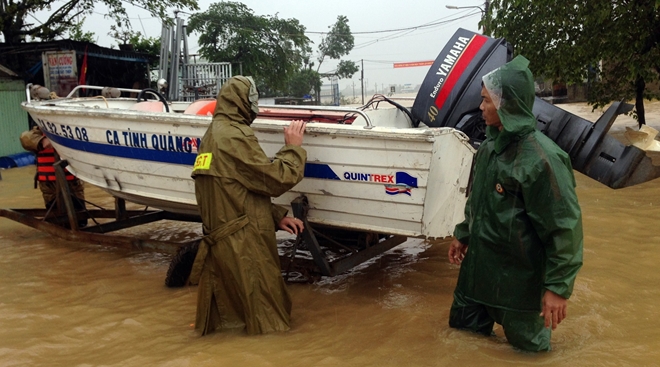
[
  {"x": 303, "y": 82},
  {"x": 137, "y": 42},
  {"x": 346, "y": 69},
  {"x": 338, "y": 42},
  {"x": 64, "y": 15},
  {"x": 614, "y": 45},
  {"x": 77, "y": 34},
  {"x": 147, "y": 45},
  {"x": 269, "y": 48},
  {"x": 121, "y": 34}
]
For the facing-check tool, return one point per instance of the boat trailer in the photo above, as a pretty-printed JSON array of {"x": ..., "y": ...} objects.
[{"x": 332, "y": 250}]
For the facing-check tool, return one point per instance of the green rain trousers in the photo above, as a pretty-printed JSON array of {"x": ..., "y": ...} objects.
[
  {"x": 523, "y": 330},
  {"x": 237, "y": 265},
  {"x": 523, "y": 224}
]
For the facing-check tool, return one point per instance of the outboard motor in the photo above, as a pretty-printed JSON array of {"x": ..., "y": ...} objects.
[{"x": 451, "y": 94}]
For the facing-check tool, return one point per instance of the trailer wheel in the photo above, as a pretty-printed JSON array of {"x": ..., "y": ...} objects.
[{"x": 181, "y": 266}]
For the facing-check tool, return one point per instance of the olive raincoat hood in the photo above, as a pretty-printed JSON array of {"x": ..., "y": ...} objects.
[
  {"x": 237, "y": 101},
  {"x": 523, "y": 223}
]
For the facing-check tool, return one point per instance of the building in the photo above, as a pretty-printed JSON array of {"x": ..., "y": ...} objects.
[
  {"x": 58, "y": 65},
  {"x": 13, "y": 120}
]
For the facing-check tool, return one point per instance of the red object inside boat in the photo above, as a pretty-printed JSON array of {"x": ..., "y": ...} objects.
[{"x": 206, "y": 107}]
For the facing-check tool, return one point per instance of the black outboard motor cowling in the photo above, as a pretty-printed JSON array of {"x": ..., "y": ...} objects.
[
  {"x": 451, "y": 93},
  {"x": 454, "y": 79}
]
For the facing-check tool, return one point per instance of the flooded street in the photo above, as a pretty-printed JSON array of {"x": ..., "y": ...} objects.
[{"x": 74, "y": 304}]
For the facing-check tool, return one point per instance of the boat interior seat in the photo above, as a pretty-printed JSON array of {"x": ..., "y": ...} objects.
[
  {"x": 203, "y": 107},
  {"x": 148, "y": 106}
]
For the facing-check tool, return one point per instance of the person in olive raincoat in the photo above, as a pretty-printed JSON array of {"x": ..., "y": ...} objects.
[
  {"x": 237, "y": 264},
  {"x": 520, "y": 245}
]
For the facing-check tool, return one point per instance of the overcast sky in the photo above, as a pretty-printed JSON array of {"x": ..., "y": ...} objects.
[{"x": 378, "y": 50}]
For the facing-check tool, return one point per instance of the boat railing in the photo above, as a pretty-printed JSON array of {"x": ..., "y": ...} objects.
[
  {"x": 351, "y": 110},
  {"x": 94, "y": 87},
  {"x": 324, "y": 108}
]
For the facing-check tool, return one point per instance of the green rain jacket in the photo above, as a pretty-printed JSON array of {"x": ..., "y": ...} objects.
[
  {"x": 237, "y": 265},
  {"x": 523, "y": 224}
]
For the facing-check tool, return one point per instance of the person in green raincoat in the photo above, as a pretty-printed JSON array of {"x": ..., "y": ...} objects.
[
  {"x": 520, "y": 245},
  {"x": 237, "y": 264}
]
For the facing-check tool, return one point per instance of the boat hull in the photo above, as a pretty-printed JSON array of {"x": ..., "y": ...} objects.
[{"x": 395, "y": 180}]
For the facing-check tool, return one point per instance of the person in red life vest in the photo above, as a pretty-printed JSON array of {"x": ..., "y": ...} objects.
[{"x": 35, "y": 141}]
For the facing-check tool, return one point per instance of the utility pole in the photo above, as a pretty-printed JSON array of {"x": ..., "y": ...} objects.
[
  {"x": 362, "y": 80},
  {"x": 484, "y": 16}
]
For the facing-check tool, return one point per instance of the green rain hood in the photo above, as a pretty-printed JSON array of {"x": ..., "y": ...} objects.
[
  {"x": 523, "y": 224},
  {"x": 237, "y": 265}
]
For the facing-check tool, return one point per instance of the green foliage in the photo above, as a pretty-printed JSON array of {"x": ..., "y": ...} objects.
[
  {"x": 123, "y": 35},
  {"x": 269, "y": 48},
  {"x": 76, "y": 33},
  {"x": 16, "y": 24},
  {"x": 305, "y": 81},
  {"x": 147, "y": 45},
  {"x": 138, "y": 43},
  {"x": 274, "y": 51},
  {"x": 338, "y": 42},
  {"x": 613, "y": 45},
  {"x": 346, "y": 69}
]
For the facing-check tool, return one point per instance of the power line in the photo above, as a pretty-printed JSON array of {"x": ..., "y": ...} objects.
[
  {"x": 380, "y": 61},
  {"x": 412, "y": 29},
  {"x": 440, "y": 21}
]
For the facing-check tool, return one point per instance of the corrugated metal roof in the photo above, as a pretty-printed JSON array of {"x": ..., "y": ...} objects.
[
  {"x": 80, "y": 47},
  {"x": 117, "y": 68},
  {"x": 6, "y": 71}
]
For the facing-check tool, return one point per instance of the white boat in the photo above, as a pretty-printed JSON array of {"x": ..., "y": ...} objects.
[{"x": 376, "y": 174}]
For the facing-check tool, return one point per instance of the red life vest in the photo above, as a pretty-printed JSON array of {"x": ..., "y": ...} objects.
[{"x": 45, "y": 169}]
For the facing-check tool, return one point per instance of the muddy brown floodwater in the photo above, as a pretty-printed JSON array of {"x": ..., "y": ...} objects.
[{"x": 75, "y": 304}]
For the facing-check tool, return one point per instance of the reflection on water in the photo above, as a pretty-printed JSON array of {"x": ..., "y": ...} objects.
[{"x": 74, "y": 304}]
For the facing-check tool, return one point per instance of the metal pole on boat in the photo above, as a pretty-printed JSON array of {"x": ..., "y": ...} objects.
[
  {"x": 184, "y": 67},
  {"x": 176, "y": 61},
  {"x": 164, "y": 52}
]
